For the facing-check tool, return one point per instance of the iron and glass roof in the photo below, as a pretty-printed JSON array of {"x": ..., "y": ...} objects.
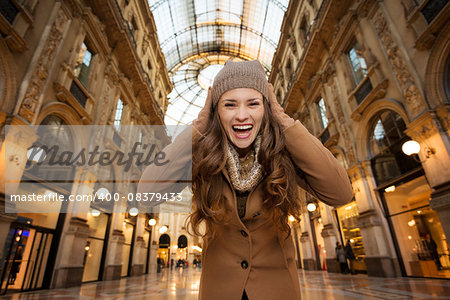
[{"x": 198, "y": 36}]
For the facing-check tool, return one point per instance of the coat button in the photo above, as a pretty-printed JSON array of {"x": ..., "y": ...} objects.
[
  {"x": 244, "y": 234},
  {"x": 244, "y": 264}
]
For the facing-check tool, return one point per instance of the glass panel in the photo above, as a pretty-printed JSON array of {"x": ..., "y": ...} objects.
[
  {"x": 83, "y": 64},
  {"x": 97, "y": 225},
  {"x": 125, "y": 259},
  {"x": 47, "y": 220},
  {"x": 118, "y": 115},
  {"x": 358, "y": 64},
  {"x": 92, "y": 259},
  {"x": 421, "y": 240},
  {"x": 322, "y": 113},
  {"x": 227, "y": 29},
  {"x": 348, "y": 218},
  {"x": 411, "y": 195},
  {"x": 386, "y": 140},
  {"x": 128, "y": 233}
]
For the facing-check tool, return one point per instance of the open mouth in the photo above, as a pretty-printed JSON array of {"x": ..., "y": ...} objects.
[{"x": 242, "y": 131}]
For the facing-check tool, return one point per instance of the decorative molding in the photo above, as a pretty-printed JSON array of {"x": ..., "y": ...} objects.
[
  {"x": 344, "y": 130},
  {"x": 414, "y": 98},
  {"x": 41, "y": 72},
  {"x": 368, "y": 219}
]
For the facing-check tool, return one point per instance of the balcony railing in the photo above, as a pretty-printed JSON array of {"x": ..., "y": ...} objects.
[
  {"x": 78, "y": 93},
  {"x": 363, "y": 91},
  {"x": 325, "y": 136}
]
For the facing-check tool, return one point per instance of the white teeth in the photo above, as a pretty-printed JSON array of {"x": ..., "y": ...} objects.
[{"x": 243, "y": 127}]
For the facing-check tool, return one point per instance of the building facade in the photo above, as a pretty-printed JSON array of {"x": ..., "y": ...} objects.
[
  {"x": 62, "y": 64},
  {"x": 365, "y": 77}
]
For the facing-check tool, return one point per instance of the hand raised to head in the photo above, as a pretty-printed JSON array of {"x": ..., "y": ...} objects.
[
  {"x": 201, "y": 123},
  {"x": 278, "y": 112}
]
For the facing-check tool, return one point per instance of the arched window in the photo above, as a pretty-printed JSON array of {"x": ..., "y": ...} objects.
[
  {"x": 182, "y": 242},
  {"x": 55, "y": 138},
  {"x": 385, "y": 142},
  {"x": 164, "y": 241}
]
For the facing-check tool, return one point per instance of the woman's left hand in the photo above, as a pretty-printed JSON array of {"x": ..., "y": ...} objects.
[{"x": 278, "y": 112}]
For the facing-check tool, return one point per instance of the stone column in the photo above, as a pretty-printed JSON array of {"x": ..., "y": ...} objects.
[
  {"x": 70, "y": 269},
  {"x": 309, "y": 263},
  {"x": 380, "y": 258},
  {"x": 137, "y": 267},
  {"x": 69, "y": 265},
  {"x": 329, "y": 237},
  {"x": 113, "y": 266}
]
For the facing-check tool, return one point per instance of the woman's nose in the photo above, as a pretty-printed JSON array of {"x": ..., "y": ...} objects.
[{"x": 242, "y": 114}]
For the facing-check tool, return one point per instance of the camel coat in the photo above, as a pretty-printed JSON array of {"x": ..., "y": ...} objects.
[{"x": 252, "y": 253}]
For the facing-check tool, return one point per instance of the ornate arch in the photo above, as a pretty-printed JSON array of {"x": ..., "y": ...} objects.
[
  {"x": 8, "y": 81},
  {"x": 62, "y": 110},
  {"x": 362, "y": 133},
  {"x": 435, "y": 71}
]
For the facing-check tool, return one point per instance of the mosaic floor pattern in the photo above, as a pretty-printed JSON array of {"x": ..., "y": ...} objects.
[{"x": 184, "y": 285}]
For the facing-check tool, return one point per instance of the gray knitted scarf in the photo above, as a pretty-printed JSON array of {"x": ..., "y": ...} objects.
[{"x": 244, "y": 173}]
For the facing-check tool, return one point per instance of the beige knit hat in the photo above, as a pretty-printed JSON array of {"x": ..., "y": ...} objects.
[{"x": 242, "y": 74}]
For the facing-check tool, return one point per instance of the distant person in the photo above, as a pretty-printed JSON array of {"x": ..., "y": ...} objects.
[
  {"x": 15, "y": 267},
  {"x": 340, "y": 257},
  {"x": 350, "y": 256},
  {"x": 432, "y": 248}
]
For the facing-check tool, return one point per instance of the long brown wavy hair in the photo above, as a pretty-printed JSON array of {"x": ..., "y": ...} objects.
[{"x": 209, "y": 159}]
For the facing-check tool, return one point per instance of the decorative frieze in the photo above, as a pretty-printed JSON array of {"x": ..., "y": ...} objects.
[
  {"x": 413, "y": 96},
  {"x": 345, "y": 132},
  {"x": 43, "y": 67}
]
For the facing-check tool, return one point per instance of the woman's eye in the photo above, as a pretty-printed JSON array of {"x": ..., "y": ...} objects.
[
  {"x": 254, "y": 103},
  {"x": 229, "y": 104}
]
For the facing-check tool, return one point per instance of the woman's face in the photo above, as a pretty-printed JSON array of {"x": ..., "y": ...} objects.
[{"x": 241, "y": 112}]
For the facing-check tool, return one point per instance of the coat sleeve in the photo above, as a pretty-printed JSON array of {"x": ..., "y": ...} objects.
[
  {"x": 322, "y": 175},
  {"x": 174, "y": 176}
]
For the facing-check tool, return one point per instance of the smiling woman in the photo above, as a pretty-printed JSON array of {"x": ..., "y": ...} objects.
[
  {"x": 241, "y": 112},
  {"x": 248, "y": 159}
]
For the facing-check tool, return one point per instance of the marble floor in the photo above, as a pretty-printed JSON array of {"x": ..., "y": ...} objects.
[{"x": 315, "y": 285}]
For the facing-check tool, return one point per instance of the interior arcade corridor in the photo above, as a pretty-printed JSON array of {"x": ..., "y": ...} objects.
[{"x": 183, "y": 284}]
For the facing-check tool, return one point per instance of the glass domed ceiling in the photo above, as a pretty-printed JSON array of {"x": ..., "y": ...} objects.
[{"x": 198, "y": 36}]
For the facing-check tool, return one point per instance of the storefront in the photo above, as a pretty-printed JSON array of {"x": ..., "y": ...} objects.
[
  {"x": 32, "y": 242},
  {"x": 419, "y": 238},
  {"x": 95, "y": 249},
  {"x": 164, "y": 250},
  {"x": 347, "y": 217},
  {"x": 420, "y": 243}
]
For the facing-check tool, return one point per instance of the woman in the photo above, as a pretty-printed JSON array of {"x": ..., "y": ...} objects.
[{"x": 248, "y": 159}]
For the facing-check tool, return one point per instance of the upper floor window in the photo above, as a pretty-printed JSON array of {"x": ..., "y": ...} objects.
[
  {"x": 385, "y": 141},
  {"x": 432, "y": 9},
  {"x": 118, "y": 115},
  {"x": 83, "y": 64},
  {"x": 9, "y": 10},
  {"x": 322, "y": 113},
  {"x": 358, "y": 63}
]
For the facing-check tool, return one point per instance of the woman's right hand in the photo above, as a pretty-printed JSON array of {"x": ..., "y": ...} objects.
[{"x": 203, "y": 118}]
